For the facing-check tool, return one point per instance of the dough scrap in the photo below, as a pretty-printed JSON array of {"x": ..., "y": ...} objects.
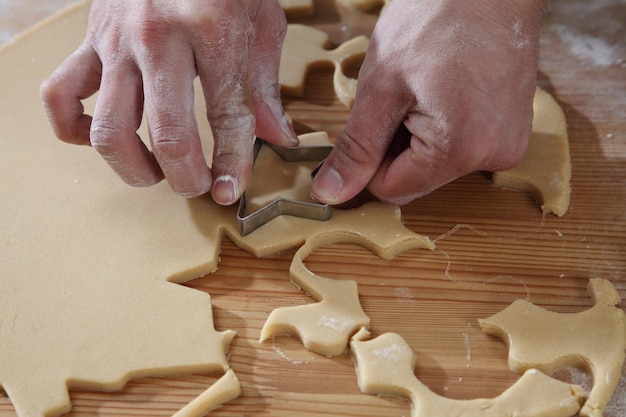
[
  {"x": 223, "y": 390},
  {"x": 297, "y": 8},
  {"x": 89, "y": 265},
  {"x": 594, "y": 340},
  {"x": 385, "y": 366},
  {"x": 305, "y": 49},
  {"x": 325, "y": 327},
  {"x": 367, "y": 5},
  {"x": 545, "y": 171}
]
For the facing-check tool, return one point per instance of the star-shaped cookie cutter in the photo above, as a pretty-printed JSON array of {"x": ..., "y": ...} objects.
[{"x": 284, "y": 206}]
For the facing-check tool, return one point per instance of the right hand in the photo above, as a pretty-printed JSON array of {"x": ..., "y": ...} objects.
[{"x": 446, "y": 88}]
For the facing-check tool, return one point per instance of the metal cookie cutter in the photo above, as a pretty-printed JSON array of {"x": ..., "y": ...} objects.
[{"x": 284, "y": 206}]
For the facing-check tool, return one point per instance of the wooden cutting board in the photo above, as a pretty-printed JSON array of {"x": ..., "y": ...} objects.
[{"x": 493, "y": 247}]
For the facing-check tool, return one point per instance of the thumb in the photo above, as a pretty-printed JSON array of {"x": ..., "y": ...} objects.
[{"x": 361, "y": 147}]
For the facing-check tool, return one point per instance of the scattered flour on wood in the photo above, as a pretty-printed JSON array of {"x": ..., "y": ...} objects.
[
  {"x": 616, "y": 407},
  {"x": 404, "y": 294},
  {"x": 593, "y": 50},
  {"x": 468, "y": 347},
  {"x": 283, "y": 355}
]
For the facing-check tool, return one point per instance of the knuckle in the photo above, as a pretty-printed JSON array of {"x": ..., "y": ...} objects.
[
  {"x": 148, "y": 31},
  {"x": 53, "y": 99},
  {"x": 220, "y": 31},
  {"x": 210, "y": 17},
  {"x": 104, "y": 136},
  {"x": 50, "y": 91},
  {"x": 351, "y": 151},
  {"x": 170, "y": 145},
  {"x": 231, "y": 122}
]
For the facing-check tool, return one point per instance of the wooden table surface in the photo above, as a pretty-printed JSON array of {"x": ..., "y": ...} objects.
[{"x": 493, "y": 247}]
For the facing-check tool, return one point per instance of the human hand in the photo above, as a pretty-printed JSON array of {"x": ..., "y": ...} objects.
[
  {"x": 445, "y": 89},
  {"x": 147, "y": 54}
]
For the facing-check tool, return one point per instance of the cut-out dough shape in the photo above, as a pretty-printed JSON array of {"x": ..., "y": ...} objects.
[
  {"x": 223, "y": 390},
  {"x": 367, "y": 5},
  {"x": 269, "y": 197},
  {"x": 297, "y": 8},
  {"x": 302, "y": 8},
  {"x": 325, "y": 327},
  {"x": 88, "y": 267},
  {"x": 594, "y": 340},
  {"x": 305, "y": 49},
  {"x": 273, "y": 178},
  {"x": 546, "y": 170},
  {"x": 385, "y": 366}
]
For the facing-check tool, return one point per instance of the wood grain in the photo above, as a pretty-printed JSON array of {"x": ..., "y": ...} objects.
[{"x": 493, "y": 246}]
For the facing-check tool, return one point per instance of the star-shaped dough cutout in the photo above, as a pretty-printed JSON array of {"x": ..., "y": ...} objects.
[{"x": 281, "y": 178}]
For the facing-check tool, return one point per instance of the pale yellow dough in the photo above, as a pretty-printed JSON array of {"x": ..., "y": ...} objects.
[
  {"x": 272, "y": 177},
  {"x": 545, "y": 171},
  {"x": 325, "y": 327},
  {"x": 297, "y": 7},
  {"x": 85, "y": 300},
  {"x": 594, "y": 340},
  {"x": 306, "y": 48},
  {"x": 89, "y": 265},
  {"x": 367, "y": 5},
  {"x": 226, "y": 388},
  {"x": 385, "y": 366},
  {"x": 88, "y": 268}
]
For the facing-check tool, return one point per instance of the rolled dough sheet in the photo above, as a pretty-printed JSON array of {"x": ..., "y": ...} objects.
[
  {"x": 88, "y": 265},
  {"x": 85, "y": 300}
]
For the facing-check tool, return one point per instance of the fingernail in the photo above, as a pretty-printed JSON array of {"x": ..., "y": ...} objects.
[
  {"x": 288, "y": 131},
  {"x": 327, "y": 184},
  {"x": 225, "y": 190}
]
